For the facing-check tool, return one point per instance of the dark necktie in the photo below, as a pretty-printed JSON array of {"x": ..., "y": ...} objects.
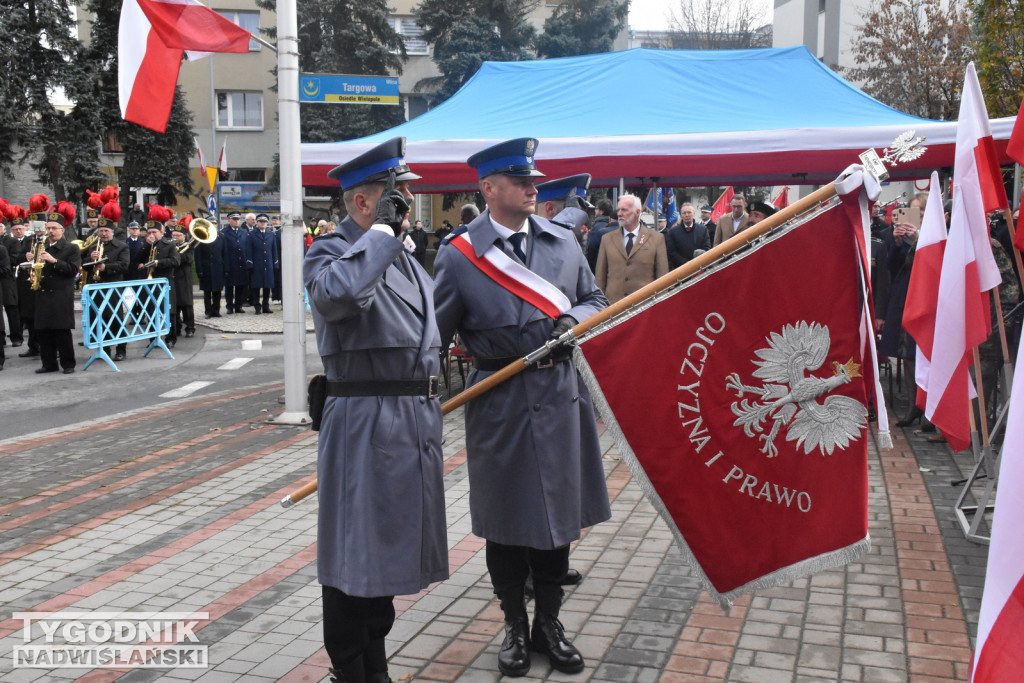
[
  {"x": 629, "y": 243},
  {"x": 516, "y": 240}
]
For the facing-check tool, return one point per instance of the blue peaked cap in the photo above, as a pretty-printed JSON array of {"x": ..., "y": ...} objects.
[
  {"x": 374, "y": 165},
  {"x": 512, "y": 157},
  {"x": 560, "y": 189}
]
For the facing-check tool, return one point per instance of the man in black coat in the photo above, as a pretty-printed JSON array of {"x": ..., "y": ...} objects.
[
  {"x": 20, "y": 250},
  {"x": 686, "y": 237},
  {"x": 9, "y": 288},
  {"x": 55, "y": 298},
  {"x": 419, "y": 238},
  {"x": 183, "y": 314},
  {"x": 164, "y": 257},
  {"x": 210, "y": 269},
  {"x": 604, "y": 221},
  {"x": 138, "y": 252},
  {"x": 114, "y": 268}
]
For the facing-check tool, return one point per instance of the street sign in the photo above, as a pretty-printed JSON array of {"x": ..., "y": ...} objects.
[
  {"x": 341, "y": 89},
  {"x": 211, "y": 205}
]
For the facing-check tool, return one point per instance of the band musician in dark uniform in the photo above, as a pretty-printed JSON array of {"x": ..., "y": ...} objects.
[
  {"x": 55, "y": 297},
  {"x": 112, "y": 268}
]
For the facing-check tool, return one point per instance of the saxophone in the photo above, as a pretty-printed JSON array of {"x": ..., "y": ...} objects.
[
  {"x": 96, "y": 275},
  {"x": 152, "y": 259},
  {"x": 35, "y": 278}
]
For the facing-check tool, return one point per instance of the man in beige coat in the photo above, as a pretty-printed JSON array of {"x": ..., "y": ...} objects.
[
  {"x": 732, "y": 223},
  {"x": 632, "y": 256}
]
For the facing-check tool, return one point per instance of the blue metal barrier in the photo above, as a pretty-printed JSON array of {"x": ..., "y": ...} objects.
[{"x": 121, "y": 312}]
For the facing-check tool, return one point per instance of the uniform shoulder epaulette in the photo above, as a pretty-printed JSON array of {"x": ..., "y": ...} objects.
[{"x": 454, "y": 233}]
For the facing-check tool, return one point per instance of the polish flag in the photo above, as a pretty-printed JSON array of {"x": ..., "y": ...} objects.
[
  {"x": 781, "y": 200},
  {"x": 999, "y": 656},
  {"x": 969, "y": 271},
  {"x": 152, "y": 37},
  {"x": 722, "y": 206},
  {"x": 1015, "y": 148},
  {"x": 923, "y": 291}
]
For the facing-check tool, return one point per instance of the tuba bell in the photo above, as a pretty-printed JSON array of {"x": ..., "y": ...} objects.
[
  {"x": 89, "y": 242},
  {"x": 203, "y": 232}
]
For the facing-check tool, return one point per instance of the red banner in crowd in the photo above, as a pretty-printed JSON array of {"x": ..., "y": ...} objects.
[{"x": 741, "y": 404}]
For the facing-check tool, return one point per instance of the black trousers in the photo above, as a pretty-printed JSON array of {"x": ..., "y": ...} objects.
[
  {"x": 211, "y": 302},
  {"x": 265, "y": 291},
  {"x": 509, "y": 565},
  {"x": 30, "y": 327},
  {"x": 277, "y": 284},
  {"x": 235, "y": 296},
  {"x": 185, "y": 316},
  {"x": 54, "y": 344},
  {"x": 14, "y": 323},
  {"x": 355, "y": 626}
]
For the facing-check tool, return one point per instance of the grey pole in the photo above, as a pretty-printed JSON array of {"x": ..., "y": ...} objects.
[{"x": 293, "y": 302}]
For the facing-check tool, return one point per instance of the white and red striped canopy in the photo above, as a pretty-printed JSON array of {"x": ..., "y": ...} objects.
[{"x": 683, "y": 117}]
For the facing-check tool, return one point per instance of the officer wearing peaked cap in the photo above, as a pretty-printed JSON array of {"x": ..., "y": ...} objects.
[
  {"x": 534, "y": 460},
  {"x": 564, "y": 201},
  {"x": 381, "y": 527}
]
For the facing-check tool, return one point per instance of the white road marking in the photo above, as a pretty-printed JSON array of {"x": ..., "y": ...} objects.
[
  {"x": 182, "y": 392},
  {"x": 234, "y": 363},
  {"x": 252, "y": 344}
]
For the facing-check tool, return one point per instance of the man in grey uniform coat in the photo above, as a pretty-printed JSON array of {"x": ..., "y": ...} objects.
[
  {"x": 381, "y": 528},
  {"x": 534, "y": 461}
]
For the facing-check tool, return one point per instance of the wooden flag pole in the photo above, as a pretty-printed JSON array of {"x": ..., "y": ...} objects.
[
  {"x": 664, "y": 282},
  {"x": 982, "y": 410}
]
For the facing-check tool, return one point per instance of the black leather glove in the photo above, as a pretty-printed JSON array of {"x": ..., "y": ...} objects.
[
  {"x": 391, "y": 208},
  {"x": 562, "y": 325}
]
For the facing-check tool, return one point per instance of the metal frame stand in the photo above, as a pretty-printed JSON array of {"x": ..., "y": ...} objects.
[{"x": 971, "y": 516}]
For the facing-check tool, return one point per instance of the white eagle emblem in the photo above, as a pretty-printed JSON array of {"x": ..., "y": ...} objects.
[{"x": 790, "y": 396}]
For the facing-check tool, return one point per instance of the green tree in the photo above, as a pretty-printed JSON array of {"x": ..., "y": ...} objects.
[
  {"x": 466, "y": 33},
  {"x": 582, "y": 27},
  {"x": 910, "y": 54},
  {"x": 151, "y": 159},
  {"x": 999, "y": 44},
  {"x": 37, "y": 42}
]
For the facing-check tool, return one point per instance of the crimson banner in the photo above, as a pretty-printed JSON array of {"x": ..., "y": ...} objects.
[{"x": 741, "y": 404}]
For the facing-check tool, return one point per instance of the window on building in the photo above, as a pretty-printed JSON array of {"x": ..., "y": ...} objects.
[
  {"x": 411, "y": 33},
  {"x": 111, "y": 145},
  {"x": 240, "y": 110},
  {"x": 250, "y": 21},
  {"x": 247, "y": 175}
]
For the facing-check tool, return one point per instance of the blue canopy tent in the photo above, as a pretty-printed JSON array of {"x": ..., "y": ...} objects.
[{"x": 685, "y": 117}]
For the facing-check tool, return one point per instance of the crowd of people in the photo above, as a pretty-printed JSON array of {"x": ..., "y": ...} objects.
[{"x": 44, "y": 258}]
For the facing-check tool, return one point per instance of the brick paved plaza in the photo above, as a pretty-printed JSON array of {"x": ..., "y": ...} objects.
[{"x": 176, "y": 508}]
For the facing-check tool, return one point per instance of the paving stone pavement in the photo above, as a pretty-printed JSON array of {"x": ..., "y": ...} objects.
[{"x": 188, "y": 519}]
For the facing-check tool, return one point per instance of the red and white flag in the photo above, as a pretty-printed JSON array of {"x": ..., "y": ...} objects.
[
  {"x": 1015, "y": 148},
  {"x": 781, "y": 200},
  {"x": 999, "y": 656},
  {"x": 748, "y": 429},
  {"x": 222, "y": 162},
  {"x": 722, "y": 206},
  {"x": 923, "y": 291},
  {"x": 152, "y": 37},
  {"x": 962, "y": 317}
]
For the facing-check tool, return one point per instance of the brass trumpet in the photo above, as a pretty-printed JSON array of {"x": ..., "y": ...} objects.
[{"x": 203, "y": 231}]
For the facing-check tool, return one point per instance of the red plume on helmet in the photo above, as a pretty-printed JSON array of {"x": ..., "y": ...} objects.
[
  {"x": 94, "y": 201},
  {"x": 109, "y": 194},
  {"x": 66, "y": 209},
  {"x": 4, "y": 207},
  {"x": 112, "y": 211},
  {"x": 13, "y": 213},
  {"x": 37, "y": 203},
  {"x": 160, "y": 213}
]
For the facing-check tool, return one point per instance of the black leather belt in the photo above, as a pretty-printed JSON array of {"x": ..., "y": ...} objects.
[
  {"x": 492, "y": 364},
  {"x": 385, "y": 387}
]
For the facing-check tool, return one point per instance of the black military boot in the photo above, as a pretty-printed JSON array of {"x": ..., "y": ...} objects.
[
  {"x": 375, "y": 662},
  {"x": 548, "y": 635},
  {"x": 514, "y": 657},
  {"x": 350, "y": 672}
]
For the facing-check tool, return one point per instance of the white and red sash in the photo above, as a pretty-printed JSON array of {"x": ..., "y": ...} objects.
[{"x": 515, "y": 277}]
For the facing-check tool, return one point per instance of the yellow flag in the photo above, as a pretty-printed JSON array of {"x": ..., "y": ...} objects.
[{"x": 211, "y": 176}]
